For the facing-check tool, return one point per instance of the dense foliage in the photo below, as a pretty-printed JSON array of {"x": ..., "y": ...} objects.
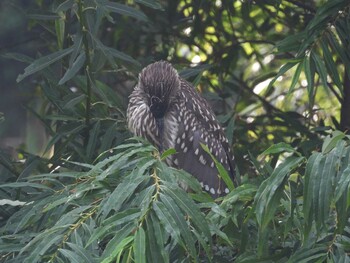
[{"x": 277, "y": 74}]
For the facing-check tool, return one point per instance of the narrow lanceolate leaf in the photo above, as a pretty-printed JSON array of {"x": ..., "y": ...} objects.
[
  {"x": 271, "y": 189},
  {"x": 278, "y": 148},
  {"x": 295, "y": 78},
  {"x": 119, "y": 248},
  {"x": 305, "y": 255},
  {"x": 73, "y": 70},
  {"x": 333, "y": 41},
  {"x": 282, "y": 70},
  {"x": 174, "y": 212},
  {"x": 120, "y": 194},
  {"x": 321, "y": 69},
  {"x": 110, "y": 53},
  {"x": 150, "y": 3},
  {"x": 81, "y": 252},
  {"x": 331, "y": 66},
  {"x": 312, "y": 163},
  {"x": 331, "y": 141},
  {"x": 222, "y": 171},
  {"x": 310, "y": 76},
  {"x": 47, "y": 16},
  {"x": 167, "y": 153},
  {"x": 25, "y": 184},
  {"x": 156, "y": 244},
  {"x": 64, "y": 6},
  {"x": 323, "y": 190},
  {"x": 60, "y": 30},
  {"x": 120, "y": 240},
  {"x": 120, "y": 55},
  {"x": 189, "y": 207},
  {"x": 110, "y": 224},
  {"x": 124, "y": 10},
  {"x": 140, "y": 246},
  {"x": 318, "y": 190},
  {"x": 166, "y": 219},
  {"x": 44, "y": 62},
  {"x": 343, "y": 185},
  {"x": 72, "y": 256},
  {"x": 41, "y": 248},
  {"x": 93, "y": 140}
]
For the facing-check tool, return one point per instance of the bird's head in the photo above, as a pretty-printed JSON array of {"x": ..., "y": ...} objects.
[{"x": 160, "y": 82}]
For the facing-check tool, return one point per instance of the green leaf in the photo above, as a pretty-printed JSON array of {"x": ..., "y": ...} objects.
[
  {"x": 310, "y": 76},
  {"x": 282, "y": 70},
  {"x": 25, "y": 184},
  {"x": 278, "y": 148},
  {"x": 331, "y": 141},
  {"x": 338, "y": 48},
  {"x": 42, "y": 247},
  {"x": 179, "y": 218},
  {"x": 156, "y": 244},
  {"x": 73, "y": 257},
  {"x": 306, "y": 255},
  {"x": 60, "y": 30},
  {"x": 151, "y": 3},
  {"x": 111, "y": 223},
  {"x": 221, "y": 169},
  {"x": 169, "y": 223},
  {"x": 123, "y": 191},
  {"x": 118, "y": 54},
  {"x": 124, "y": 10},
  {"x": 46, "y": 16},
  {"x": 109, "y": 53},
  {"x": 295, "y": 77},
  {"x": 189, "y": 207},
  {"x": 17, "y": 57},
  {"x": 93, "y": 140},
  {"x": 140, "y": 246},
  {"x": 64, "y": 6},
  {"x": 74, "y": 69},
  {"x": 270, "y": 191},
  {"x": 70, "y": 106},
  {"x": 118, "y": 243},
  {"x": 120, "y": 246},
  {"x": 321, "y": 69},
  {"x": 167, "y": 153},
  {"x": 44, "y": 62},
  {"x": 343, "y": 185},
  {"x": 195, "y": 71},
  {"x": 331, "y": 66}
]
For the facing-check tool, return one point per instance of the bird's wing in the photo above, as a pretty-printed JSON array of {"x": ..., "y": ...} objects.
[{"x": 198, "y": 125}]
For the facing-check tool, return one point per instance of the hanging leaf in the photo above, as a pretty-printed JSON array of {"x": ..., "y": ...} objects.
[{"x": 139, "y": 246}]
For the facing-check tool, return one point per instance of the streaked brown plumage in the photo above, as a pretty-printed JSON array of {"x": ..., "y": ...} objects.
[{"x": 166, "y": 110}]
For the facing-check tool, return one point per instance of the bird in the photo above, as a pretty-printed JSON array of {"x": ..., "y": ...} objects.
[{"x": 166, "y": 110}]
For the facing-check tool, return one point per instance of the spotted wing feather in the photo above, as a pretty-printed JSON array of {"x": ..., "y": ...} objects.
[{"x": 197, "y": 124}]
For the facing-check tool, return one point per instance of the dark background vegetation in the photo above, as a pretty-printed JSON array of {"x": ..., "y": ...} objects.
[{"x": 75, "y": 188}]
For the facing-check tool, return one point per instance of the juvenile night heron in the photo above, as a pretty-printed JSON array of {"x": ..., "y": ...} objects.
[{"x": 166, "y": 110}]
